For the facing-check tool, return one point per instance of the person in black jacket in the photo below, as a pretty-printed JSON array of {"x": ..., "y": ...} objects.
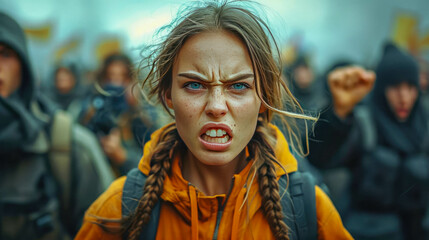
[
  {"x": 383, "y": 140},
  {"x": 44, "y": 191}
]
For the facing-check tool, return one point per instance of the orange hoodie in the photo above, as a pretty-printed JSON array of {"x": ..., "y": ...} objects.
[{"x": 188, "y": 213}]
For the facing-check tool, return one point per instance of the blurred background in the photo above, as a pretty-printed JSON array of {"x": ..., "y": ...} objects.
[
  {"x": 83, "y": 53},
  {"x": 326, "y": 31}
]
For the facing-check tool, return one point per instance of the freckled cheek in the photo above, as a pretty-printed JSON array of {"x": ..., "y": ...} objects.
[
  {"x": 245, "y": 114},
  {"x": 186, "y": 108},
  {"x": 244, "y": 107}
]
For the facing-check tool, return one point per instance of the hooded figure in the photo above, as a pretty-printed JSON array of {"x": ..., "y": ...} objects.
[
  {"x": 18, "y": 127},
  {"x": 384, "y": 142},
  {"x": 34, "y": 202},
  {"x": 406, "y": 136}
]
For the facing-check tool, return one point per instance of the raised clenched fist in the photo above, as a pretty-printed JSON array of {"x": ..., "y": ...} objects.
[{"x": 349, "y": 85}]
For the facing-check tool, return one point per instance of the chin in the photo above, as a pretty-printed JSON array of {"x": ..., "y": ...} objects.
[
  {"x": 219, "y": 160},
  {"x": 402, "y": 119},
  {"x": 211, "y": 158}
]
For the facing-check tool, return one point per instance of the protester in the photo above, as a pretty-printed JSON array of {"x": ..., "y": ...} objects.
[
  {"x": 65, "y": 88},
  {"x": 221, "y": 169},
  {"x": 383, "y": 141},
  {"x": 50, "y": 168},
  {"x": 114, "y": 114},
  {"x": 304, "y": 86}
]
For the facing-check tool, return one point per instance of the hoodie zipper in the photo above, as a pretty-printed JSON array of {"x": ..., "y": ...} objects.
[{"x": 220, "y": 210}]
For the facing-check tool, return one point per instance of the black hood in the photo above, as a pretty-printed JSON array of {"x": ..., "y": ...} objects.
[
  {"x": 395, "y": 67},
  {"x": 19, "y": 127},
  {"x": 12, "y": 35}
]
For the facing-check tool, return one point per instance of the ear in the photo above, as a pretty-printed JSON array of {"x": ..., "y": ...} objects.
[
  {"x": 262, "y": 108},
  {"x": 167, "y": 99}
]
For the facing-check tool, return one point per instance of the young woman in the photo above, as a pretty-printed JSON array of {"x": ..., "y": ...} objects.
[{"x": 215, "y": 170}]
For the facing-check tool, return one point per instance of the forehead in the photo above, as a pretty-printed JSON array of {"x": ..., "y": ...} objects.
[
  {"x": 64, "y": 71},
  {"x": 6, "y": 47},
  {"x": 207, "y": 51},
  {"x": 12, "y": 54},
  {"x": 117, "y": 65},
  {"x": 403, "y": 84}
]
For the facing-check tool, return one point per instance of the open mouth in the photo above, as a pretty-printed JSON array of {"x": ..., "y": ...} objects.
[{"x": 216, "y": 136}]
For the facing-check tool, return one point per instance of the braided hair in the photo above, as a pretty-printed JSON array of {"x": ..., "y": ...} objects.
[
  {"x": 261, "y": 149},
  {"x": 152, "y": 190}
]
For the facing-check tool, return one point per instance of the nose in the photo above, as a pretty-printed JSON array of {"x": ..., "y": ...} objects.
[
  {"x": 404, "y": 94},
  {"x": 216, "y": 103}
]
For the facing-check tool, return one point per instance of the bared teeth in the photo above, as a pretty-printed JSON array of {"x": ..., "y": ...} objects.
[
  {"x": 216, "y": 140},
  {"x": 215, "y": 132}
]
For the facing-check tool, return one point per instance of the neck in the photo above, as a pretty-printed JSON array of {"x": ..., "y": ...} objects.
[{"x": 211, "y": 180}]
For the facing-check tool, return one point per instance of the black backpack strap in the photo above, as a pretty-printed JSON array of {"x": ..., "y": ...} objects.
[
  {"x": 131, "y": 194},
  {"x": 299, "y": 205}
]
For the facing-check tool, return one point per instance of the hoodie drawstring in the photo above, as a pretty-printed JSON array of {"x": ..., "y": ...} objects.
[
  {"x": 237, "y": 211},
  {"x": 194, "y": 212}
]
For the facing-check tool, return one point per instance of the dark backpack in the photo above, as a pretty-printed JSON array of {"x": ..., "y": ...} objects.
[{"x": 298, "y": 204}]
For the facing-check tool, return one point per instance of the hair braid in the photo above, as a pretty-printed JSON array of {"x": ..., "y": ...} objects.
[
  {"x": 262, "y": 150},
  {"x": 160, "y": 166}
]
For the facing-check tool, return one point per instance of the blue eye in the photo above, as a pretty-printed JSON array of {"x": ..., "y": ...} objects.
[
  {"x": 239, "y": 86},
  {"x": 194, "y": 85}
]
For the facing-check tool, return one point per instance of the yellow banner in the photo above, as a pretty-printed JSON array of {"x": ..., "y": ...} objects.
[
  {"x": 405, "y": 32},
  {"x": 70, "y": 45},
  {"x": 41, "y": 33}
]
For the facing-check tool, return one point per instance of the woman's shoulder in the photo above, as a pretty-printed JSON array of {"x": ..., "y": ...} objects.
[
  {"x": 329, "y": 223},
  {"x": 108, "y": 204},
  {"x": 107, "y": 209}
]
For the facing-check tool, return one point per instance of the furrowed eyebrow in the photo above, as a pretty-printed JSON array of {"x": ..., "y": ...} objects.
[
  {"x": 239, "y": 76},
  {"x": 233, "y": 77},
  {"x": 195, "y": 76}
]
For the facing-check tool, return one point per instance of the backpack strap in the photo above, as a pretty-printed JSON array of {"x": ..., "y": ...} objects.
[
  {"x": 299, "y": 205},
  {"x": 60, "y": 154},
  {"x": 131, "y": 194}
]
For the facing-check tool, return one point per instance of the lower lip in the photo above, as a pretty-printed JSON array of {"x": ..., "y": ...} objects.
[
  {"x": 215, "y": 146},
  {"x": 402, "y": 113}
]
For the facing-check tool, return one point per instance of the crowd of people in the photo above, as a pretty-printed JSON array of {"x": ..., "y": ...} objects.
[{"x": 254, "y": 149}]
